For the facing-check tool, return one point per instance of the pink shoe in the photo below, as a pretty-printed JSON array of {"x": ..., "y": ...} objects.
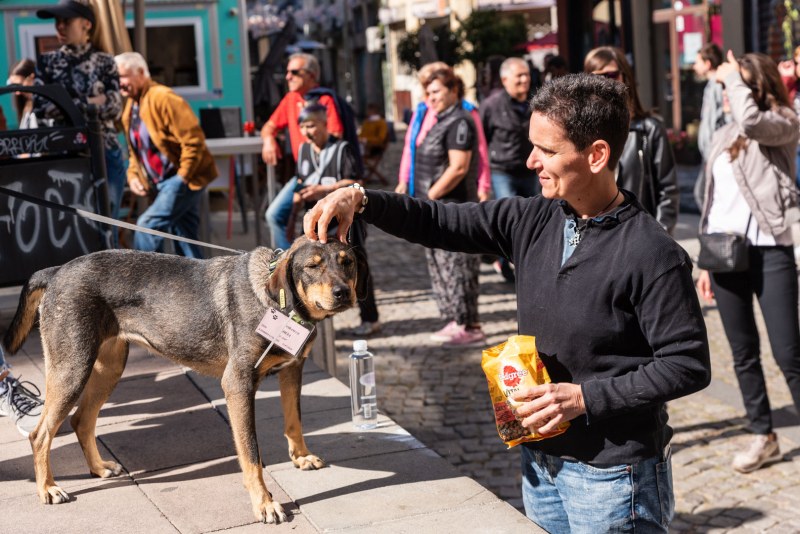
[
  {"x": 467, "y": 337},
  {"x": 445, "y": 333}
]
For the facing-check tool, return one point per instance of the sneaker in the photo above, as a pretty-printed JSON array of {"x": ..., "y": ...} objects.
[
  {"x": 21, "y": 404},
  {"x": 466, "y": 337},
  {"x": 445, "y": 333},
  {"x": 366, "y": 328},
  {"x": 764, "y": 449}
]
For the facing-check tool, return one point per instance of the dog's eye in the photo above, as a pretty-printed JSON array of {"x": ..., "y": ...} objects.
[
  {"x": 312, "y": 265},
  {"x": 347, "y": 262}
]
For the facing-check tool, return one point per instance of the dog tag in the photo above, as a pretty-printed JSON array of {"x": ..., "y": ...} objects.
[{"x": 279, "y": 329}]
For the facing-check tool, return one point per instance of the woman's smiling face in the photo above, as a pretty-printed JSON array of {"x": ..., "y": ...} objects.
[{"x": 563, "y": 170}]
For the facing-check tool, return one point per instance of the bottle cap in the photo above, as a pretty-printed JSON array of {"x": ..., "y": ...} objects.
[{"x": 360, "y": 345}]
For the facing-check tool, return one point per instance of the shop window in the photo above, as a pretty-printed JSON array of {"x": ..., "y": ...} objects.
[
  {"x": 36, "y": 39},
  {"x": 175, "y": 52}
]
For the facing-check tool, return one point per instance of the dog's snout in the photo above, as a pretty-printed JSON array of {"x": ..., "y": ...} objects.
[{"x": 341, "y": 292}]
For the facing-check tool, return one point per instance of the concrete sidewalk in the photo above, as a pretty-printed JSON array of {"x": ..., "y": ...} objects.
[
  {"x": 169, "y": 429},
  {"x": 400, "y": 477}
]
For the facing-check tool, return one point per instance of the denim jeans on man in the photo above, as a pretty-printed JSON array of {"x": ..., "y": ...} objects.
[
  {"x": 278, "y": 213},
  {"x": 564, "y": 496},
  {"x": 176, "y": 210},
  {"x": 508, "y": 185},
  {"x": 116, "y": 170},
  {"x": 117, "y": 177}
]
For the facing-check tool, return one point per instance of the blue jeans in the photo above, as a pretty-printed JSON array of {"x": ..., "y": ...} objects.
[
  {"x": 117, "y": 177},
  {"x": 797, "y": 173},
  {"x": 175, "y": 210},
  {"x": 573, "y": 497},
  {"x": 278, "y": 213},
  {"x": 507, "y": 185}
]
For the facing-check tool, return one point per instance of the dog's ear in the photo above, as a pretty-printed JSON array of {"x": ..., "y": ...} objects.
[
  {"x": 362, "y": 273},
  {"x": 280, "y": 285}
]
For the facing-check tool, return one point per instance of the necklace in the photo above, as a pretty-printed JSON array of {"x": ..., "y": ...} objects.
[{"x": 576, "y": 239}]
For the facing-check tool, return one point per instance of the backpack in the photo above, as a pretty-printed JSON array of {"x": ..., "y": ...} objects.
[{"x": 348, "y": 118}]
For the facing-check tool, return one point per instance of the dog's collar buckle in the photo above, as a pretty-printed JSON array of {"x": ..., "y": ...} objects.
[{"x": 277, "y": 253}]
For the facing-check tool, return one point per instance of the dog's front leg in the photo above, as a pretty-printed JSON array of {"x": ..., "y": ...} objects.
[
  {"x": 290, "y": 380},
  {"x": 240, "y": 397}
]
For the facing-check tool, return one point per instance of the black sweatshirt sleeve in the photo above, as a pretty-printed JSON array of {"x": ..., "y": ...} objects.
[
  {"x": 670, "y": 318},
  {"x": 475, "y": 228}
]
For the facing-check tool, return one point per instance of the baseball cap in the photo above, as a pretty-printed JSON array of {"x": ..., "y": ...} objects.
[{"x": 67, "y": 9}]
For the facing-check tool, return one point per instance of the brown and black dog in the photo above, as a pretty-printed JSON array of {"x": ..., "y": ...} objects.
[{"x": 201, "y": 314}]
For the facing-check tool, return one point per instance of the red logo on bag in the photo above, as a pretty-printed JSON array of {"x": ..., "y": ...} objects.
[{"x": 512, "y": 376}]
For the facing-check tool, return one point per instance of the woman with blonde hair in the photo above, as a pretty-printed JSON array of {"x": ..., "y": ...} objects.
[
  {"x": 647, "y": 165},
  {"x": 751, "y": 191}
]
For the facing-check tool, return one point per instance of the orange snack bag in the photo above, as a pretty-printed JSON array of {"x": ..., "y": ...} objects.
[{"x": 509, "y": 367}]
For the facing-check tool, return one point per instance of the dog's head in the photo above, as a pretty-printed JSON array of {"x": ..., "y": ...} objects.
[{"x": 319, "y": 280}]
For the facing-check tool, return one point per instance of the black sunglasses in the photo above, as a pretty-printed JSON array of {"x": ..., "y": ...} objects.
[
  {"x": 611, "y": 75},
  {"x": 294, "y": 72}
]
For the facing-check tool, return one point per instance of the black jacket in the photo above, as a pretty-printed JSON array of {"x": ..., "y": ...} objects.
[
  {"x": 620, "y": 317},
  {"x": 647, "y": 169},
  {"x": 454, "y": 130},
  {"x": 506, "y": 133}
]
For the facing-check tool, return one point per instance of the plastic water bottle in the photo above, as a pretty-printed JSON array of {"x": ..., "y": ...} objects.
[{"x": 363, "y": 399}]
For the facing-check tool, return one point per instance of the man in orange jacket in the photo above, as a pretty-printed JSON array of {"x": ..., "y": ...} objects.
[{"x": 168, "y": 155}]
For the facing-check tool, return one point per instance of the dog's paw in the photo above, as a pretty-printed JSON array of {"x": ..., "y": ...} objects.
[
  {"x": 270, "y": 512},
  {"x": 309, "y": 462},
  {"x": 106, "y": 470},
  {"x": 53, "y": 495}
]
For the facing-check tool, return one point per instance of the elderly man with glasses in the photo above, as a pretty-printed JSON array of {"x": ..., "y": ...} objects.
[{"x": 302, "y": 75}]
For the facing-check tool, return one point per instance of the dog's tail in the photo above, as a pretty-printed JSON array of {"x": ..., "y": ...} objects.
[{"x": 29, "y": 300}]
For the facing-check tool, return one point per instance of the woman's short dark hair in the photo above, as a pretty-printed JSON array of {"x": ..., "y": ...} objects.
[{"x": 588, "y": 108}]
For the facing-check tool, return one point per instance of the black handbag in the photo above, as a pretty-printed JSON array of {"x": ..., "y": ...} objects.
[{"x": 724, "y": 252}]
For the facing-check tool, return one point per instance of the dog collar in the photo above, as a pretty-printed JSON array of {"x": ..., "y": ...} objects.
[
  {"x": 277, "y": 253},
  {"x": 294, "y": 316},
  {"x": 276, "y": 258}
]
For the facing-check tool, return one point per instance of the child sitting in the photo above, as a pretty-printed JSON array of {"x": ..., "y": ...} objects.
[{"x": 324, "y": 164}]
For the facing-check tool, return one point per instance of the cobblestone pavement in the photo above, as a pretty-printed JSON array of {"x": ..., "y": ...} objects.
[{"x": 440, "y": 396}]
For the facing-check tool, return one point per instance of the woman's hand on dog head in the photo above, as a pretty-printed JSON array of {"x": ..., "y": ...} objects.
[{"x": 341, "y": 204}]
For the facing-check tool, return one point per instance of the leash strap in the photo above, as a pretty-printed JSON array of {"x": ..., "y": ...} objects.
[{"x": 108, "y": 220}]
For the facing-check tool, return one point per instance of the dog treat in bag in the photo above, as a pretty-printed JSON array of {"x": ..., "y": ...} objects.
[{"x": 509, "y": 367}]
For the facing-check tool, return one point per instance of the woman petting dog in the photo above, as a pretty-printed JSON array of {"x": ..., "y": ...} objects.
[{"x": 605, "y": 290}]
